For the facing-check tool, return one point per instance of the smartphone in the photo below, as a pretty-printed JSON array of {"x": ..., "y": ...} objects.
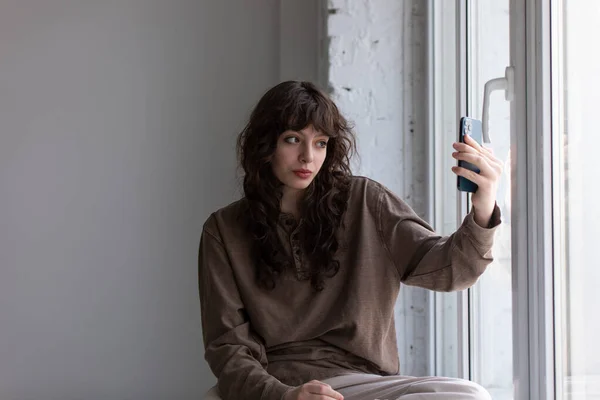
[{"x": 472, "y": 127}]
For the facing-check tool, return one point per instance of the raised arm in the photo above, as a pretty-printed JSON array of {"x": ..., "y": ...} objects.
[{"x": 426, "y": 259}]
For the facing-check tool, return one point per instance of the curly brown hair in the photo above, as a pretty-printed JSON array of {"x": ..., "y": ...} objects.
[{"x": 294, "y": 105}]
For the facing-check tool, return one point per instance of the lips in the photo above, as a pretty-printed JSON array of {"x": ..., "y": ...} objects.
[{"x": 303, "y": 173}]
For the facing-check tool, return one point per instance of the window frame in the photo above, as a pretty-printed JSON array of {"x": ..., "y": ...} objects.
[
  {"x": 535, "y": 360},
  {"x": 532, "y": 205}
]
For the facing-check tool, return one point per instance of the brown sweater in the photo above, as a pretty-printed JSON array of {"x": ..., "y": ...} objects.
[{"x": 260, "y": 344}]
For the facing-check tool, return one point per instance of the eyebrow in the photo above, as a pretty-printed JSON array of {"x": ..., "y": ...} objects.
[{"x": 320, "y": 134}]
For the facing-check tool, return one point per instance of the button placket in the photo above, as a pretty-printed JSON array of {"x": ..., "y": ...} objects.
[{"x": 296, "y": 252}]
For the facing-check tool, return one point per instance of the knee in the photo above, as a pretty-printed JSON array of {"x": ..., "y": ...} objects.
[
  {"x": 212, "y": 394},
  {"x": 476, "y": 391}
]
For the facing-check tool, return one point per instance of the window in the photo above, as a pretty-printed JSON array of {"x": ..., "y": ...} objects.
[
  {"x": 528, "y": 330},
  {"x": 576, "y": 97},
  {"x": 473, "y": 329}
]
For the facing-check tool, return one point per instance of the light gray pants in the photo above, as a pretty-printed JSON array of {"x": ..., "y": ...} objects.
[{"x": 375, "y": 387}]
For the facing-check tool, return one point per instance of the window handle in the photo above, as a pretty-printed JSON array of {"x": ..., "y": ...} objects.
[{"x": 507, "y": 83}]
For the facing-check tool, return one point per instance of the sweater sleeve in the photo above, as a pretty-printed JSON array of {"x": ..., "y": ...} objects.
[
  {"x": 428, "y": 260},
  {"x": 234, "y": 352}
]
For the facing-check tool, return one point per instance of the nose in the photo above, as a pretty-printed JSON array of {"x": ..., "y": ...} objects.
[{"x": 306, "y": 155}]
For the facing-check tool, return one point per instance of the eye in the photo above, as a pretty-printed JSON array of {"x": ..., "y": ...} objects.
[
  {"x": 291, "y": 139},
  {"x": 322, "y": 143}
]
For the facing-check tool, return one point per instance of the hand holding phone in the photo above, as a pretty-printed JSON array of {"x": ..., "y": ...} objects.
[
  {"x": 478, "y": 170},
  {"x": 471, "y": 127}
]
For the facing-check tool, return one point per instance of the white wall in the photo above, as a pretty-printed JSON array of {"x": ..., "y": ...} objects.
[
  {"x": 117, "y": 124},
  {"x": 377, "y": 74}
]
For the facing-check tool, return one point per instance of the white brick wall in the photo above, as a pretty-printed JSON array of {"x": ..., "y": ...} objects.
[{"x": 377, "y": 75}]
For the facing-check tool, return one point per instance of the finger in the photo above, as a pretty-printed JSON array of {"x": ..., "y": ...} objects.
[
  {"x": 497, "y": 166},
  {"x": 470, "y": 175},
  {"x": 493, "y": 161},
  {"x": 319, "y": 382},
  {"x": 465, "y": 148},
  {"x": 325, "y": 390},
  {"x": 326, "y": 396},
  {"x": 487, "y": 149},
  {"x": 331, "y": 393},
  {"x": 472, "y": 142},
  {"x": 479, "y": 160}
]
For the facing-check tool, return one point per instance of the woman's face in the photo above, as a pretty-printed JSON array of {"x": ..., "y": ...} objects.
[{"x": 299, "y": 156}]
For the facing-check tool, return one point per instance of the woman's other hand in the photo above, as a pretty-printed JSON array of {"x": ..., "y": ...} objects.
[{"x": 313, "y": 390}]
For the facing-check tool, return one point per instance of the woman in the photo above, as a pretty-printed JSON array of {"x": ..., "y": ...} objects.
[{"x": 299, "y": 278}]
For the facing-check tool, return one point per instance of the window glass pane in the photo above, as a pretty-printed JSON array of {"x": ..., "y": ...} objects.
[
  {"x": 491, "y": 300},
  {"x": 576, "y": 101},
  {"x": 445, "y": 111}
]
